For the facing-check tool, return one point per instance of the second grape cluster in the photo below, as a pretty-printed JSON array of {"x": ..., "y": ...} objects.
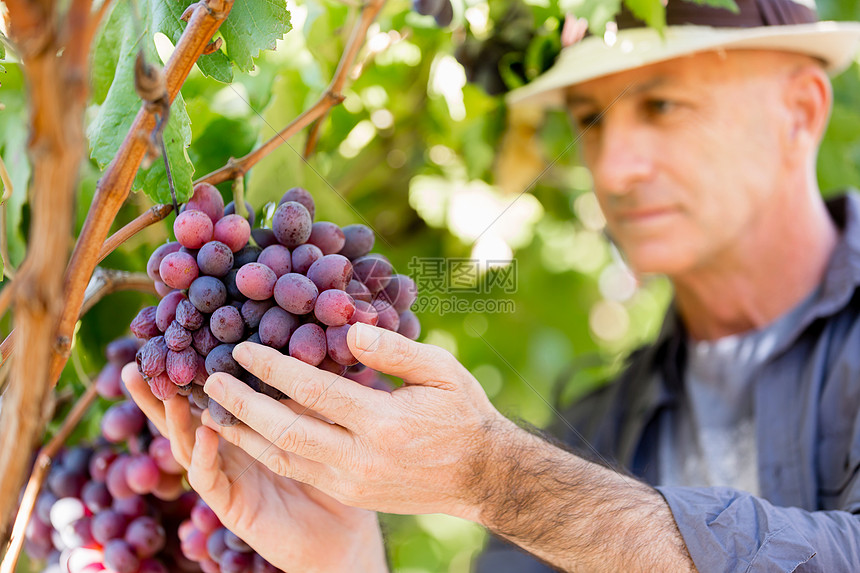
[{"x": 296, "y": 287}]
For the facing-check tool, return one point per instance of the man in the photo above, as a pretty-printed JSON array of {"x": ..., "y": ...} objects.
[{"x": 740, "y": 424}]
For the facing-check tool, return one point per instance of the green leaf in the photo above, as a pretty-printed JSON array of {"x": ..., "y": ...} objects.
[
  {"x": 2, "y": 51},
  {"x": 727, "y": 4},
  {"x": 652, "y": 12},
  {"x": 252, "y": 26},
  {"x": 121, "y": 104},
  {"x": 597, "y": 12}
]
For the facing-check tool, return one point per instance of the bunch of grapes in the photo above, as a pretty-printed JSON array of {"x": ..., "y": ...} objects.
[
  {"x": 441, "y": 10},
  {"x": 119, "y": 505},
  {"x": 207, "y": 542},
  {"x": 296, "y": 287}
]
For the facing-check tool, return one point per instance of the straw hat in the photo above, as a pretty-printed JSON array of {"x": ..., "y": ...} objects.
[{"x": 788, "y": 25}]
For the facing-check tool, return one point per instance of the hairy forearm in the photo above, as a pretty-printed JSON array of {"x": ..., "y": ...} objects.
[{"x": 571, "y": 513}]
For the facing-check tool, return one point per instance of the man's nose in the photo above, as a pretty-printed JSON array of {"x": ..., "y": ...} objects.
[{"x": 623, "y": 157}]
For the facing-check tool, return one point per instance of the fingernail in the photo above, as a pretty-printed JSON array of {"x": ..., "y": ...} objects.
[
  {"x": 366, "y": 337},
  {"x": 214, "y": 388},
  {"x": 242, "y": 353}
]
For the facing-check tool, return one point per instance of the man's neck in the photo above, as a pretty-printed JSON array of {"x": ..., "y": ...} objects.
[{"x": 770, "y": 271}]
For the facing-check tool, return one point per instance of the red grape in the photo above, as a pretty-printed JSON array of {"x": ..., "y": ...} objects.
[
  {"x": 157, "y": 256},
  {"x": 277, "y": 258},
  {"x": 388, "y": 317},
  {"x": 327, "y": 236},
  {"x": 296, "y": 293},
  {"x": 410, "y": 326},
  {"x": 256, "y": 281},
  {"x": 215, "y": 259},
  {"x": 121, "y": 557},
  {"x": 204, "y": 341},
  {"x": 364, "y": 312},
  {"x": 331, "y": 271},
  {"x": 373, "y": 270},
  {"x": 400, "y": 292},
  {"x": 276, "y": 327},
  {"x": 338, "y": 349},
  {"x": 308, "y": 344},
  {"x": 142, "y": 474},
  {"x": 226, "y": 324},
  {"x": 358, "y": 240},
  {"x": 146, "y": 536},
  {"x": 109, "y": 382},
  {"x": 207, "y": 294},
  {"x": 358, "y": 291},
  {"x": 334, "y": 307},
  {"x": 291, "y": 224},
  {"x": 206, "y": 198},
  {"x": 302, "y": 196},
  {"x": 107, "y": 525},
  {"x": 234, "y": 231},
  {"x": 122, "y": 421},
  {"x": 178, "y": 270},
  {"x": 193, "y": 229},
  {"x": 143, "y": 326},
  {"x": 304, "y": 256}
]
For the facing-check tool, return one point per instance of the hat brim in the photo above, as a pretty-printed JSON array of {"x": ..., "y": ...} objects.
[{"x": 835, "y": 43}]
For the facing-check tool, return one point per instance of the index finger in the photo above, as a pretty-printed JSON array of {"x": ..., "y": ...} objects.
[{"x": 338, "y": 399}]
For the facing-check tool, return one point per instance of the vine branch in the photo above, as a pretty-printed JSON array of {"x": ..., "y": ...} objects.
[{"x": 331, "y": 97}]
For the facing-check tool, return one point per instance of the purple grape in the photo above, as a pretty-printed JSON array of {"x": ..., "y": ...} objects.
[
  {"x": 78, "y": 533},
  {"x": 253, "y": 310},
  {"x": 188, "y": 316},
  {"x": 177, "y": 338},
  {"x": 330, "y": 365},
  {"x": 358, "y": 291},
  {"x": 142, "y": 474},
  {"x": 230, "y": 209},
  {"x": 120, "y": 556},
  {"x": 410, "y": 326},
  {"x": 277, "y": 258},
  {"x": 122, "y": 350},
  {"x": 151, "y": 357},
  {"x": 117, "y": 482},
  {"x": 162, "y": 289},
  {"x": 428, "y": 7},
  {"x": 234, "y": 231},
  {"x": 248, "y": 254},
  {"x": 263, "y": 566},
  {"x": 327, "y": 236},
  {"x": 107, "y": 525},
  {"x": 215, "y": 259},
  {"x": 157, "y": 256},
  {"x": 256, "y": 281},
  {"x": 204, "y": 341},
  {"x": 221, "y": 360},
  {"x": 304, "y": 256},
  {"x": 235, "y": 562},
  {"x": 77, "y": 459},
  {"x": 122, "y": 421},
  {"x": 160, "y": 452},
  {"x": 207, "y": 294},
  {"x": 166, "y": 310},
  {"x": 146, "y": 536},
  {"x": 204, "y": 518},
  {"x": 445, "y": 15},
  {"x": 292, "y": 224},
  {"x": 150, "y": 565},
  {"x": 388, "y": 317},
  {"x": 334, "y": 307},
  {"x": 331, "y": 271},
  {"x": 44, "y": 503},
  {"x": 296, "y": 293},
  {"x": 96, "y": 496},
  {"x": 192, "y": 252},
  {"x": 100, "y": 462},
  {"x": 206, "y": 198},
  {"x": 255, "y": 338},
  {"x": 276, "y": 327},
  {"x": 178, "y": 270},
  {"x": 109, "y": 381},
  {"x": 193, "y": 229},
  {"x": 227, "y": 325},
  {"x": 181, "y": 366},
  {"x": 162, "y": 387},
  {"x": 373, "y": 270},
  {"x": 302, "y": 196},
  {"x": 364, "y": 312},
  {"x": 358, "y": 240},
  {"x": 400, "y": 292},
  {"x": 131, "y": 506},
  {"x": 235, "y": 543},
  {"x": 338, "y": 349},
  {"x": 308, "y": 343},
  {"x": 216, "y": 545},
  {"x": 38, "y": 531},
  {"x": 66, "y": 483},
  {"x": 199, "y": 396},
  {"x": 143, "y": 325},
  {"x": 221, "y": 415}
]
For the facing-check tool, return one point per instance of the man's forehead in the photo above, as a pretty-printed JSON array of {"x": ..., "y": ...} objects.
[{"x": 586, "y": 93}]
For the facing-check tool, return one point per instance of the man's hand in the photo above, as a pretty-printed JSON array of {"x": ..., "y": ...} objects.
[
  {"x": 291, "y": 524},
  {"x": 417, "y": 449}
]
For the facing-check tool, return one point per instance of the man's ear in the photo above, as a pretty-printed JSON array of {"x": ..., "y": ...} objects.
[{"x": 808, "y": 98}]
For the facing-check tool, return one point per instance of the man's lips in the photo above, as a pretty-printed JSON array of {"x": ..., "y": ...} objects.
[{"x": 644, "y": 215}]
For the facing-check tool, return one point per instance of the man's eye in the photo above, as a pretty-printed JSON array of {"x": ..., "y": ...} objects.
[
  {"x": 589, "y": 121},
  {"x": 659, "y": 106}
]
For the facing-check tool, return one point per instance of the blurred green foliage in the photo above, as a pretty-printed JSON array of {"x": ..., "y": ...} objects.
[{"x": 441, "y": 171}]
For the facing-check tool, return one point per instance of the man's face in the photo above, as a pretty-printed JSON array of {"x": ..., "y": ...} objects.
[{"x": 687, "y": 154}]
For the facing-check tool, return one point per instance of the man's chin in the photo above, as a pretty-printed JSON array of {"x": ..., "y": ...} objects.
[{"x": 656, "y": 260}]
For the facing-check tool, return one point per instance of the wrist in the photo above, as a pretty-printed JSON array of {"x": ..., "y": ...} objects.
[{"x": 368, "y": 549}]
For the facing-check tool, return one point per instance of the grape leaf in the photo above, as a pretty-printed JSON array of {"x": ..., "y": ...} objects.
[
  {"x": 727, "y": 4},
  {"x": 252, "y": 26},
  {"x": 652, "y": 12},
  {"x": 121, "y": 104}
]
